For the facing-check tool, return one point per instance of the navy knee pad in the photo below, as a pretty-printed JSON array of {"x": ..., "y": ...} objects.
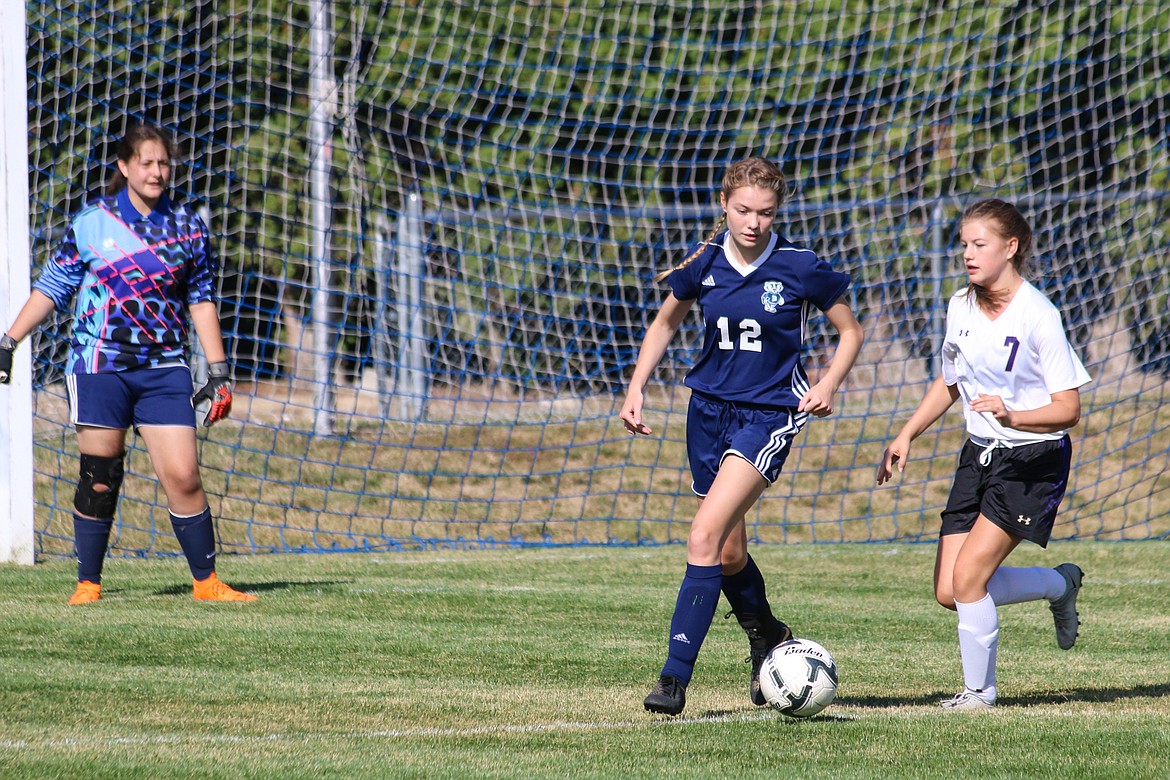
[{"x": 99, "y": 470}]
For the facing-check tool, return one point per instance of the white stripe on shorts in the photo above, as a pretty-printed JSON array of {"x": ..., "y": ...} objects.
[
  {"x": 71, "y": 389},
  {"x": 777, "y": 441}
]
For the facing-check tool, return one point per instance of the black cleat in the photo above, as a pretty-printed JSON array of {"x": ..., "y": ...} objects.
[
  {"x": 668, "y": 697},
  {"x": 762, "y": 637},
  {"x": 1064, "y": 609}
]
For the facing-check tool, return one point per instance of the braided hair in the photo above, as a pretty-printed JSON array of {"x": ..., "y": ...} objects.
[{"x": 750, "y": 172}]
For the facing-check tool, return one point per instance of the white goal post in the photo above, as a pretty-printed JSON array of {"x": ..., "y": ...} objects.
[{"x": 16, "y": 457}]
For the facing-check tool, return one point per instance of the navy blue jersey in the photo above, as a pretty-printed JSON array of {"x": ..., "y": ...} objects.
[
  {"x": 754, "y": 320},
  {"x": 133, "y": 277}
]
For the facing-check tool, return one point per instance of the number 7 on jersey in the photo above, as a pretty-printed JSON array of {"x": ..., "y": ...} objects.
[{"x": 1014, "y": 343}]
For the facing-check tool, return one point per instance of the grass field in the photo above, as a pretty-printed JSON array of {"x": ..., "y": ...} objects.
[{"x": 534, "y": 663}]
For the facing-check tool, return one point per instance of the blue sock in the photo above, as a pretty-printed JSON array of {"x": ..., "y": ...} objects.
[
  {"x": 197, "y": 538},
  {"x": 745, "y": 591},
  {"x": 90, "y": 540},
  {"x": 693, "y": 612}
]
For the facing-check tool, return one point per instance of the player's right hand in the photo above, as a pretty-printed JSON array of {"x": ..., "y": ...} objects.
[
  {"x": 894, "y": 455},
  {"x": 631, "y": 415},
  {"x": 7, "y": 347}
]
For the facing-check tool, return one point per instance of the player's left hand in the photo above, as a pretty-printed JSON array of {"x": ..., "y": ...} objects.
[
  {"x": 818, "y": 401},
  {"x": 216, "y": 394},
  {"x": 993, "y": 405}
]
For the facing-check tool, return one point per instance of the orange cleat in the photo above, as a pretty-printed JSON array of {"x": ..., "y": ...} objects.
[
  {"x": 211, "y": 589},
  {"x": 87, "y": 592}
]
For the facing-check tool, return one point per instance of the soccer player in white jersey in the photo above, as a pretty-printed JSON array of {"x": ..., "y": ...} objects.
[
  {"x": 749, "y": 398},
  {"x": 1007, "y": 356}
]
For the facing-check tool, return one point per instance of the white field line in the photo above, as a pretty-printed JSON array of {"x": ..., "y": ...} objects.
[{"x": 477, "y": 731}]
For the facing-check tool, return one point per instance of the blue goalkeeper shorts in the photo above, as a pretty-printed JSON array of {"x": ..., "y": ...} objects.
[{"x": 138, "y": 396}]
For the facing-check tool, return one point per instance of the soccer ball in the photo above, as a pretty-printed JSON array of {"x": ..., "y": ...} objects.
[{"x": 799, "y": 678}]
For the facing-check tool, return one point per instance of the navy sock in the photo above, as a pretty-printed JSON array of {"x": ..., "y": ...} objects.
[
  {"x": 693, "y": 612},
  {"x": 197, "y": 538},
  {"x": 745, "y": 591},
  {"x": 90, "y": 540}
]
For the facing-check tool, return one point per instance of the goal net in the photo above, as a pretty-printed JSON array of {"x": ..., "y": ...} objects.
[{"x": 438, "y": 225}]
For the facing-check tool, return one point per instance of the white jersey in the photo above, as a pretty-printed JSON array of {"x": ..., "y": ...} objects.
[{"x": 1022, "y": 356}]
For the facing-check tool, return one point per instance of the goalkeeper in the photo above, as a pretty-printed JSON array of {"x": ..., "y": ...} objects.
[{"x": 135, "y": 265}]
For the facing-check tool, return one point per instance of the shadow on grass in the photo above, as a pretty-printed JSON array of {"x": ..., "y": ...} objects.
[
  {"x": 1060, "y": 697},
  {"x": 1090, "y": 695},
  {"x": 259, "y": 587}
]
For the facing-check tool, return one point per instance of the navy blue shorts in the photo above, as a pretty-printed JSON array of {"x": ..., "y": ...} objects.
[
  {"x": 760, "y": 435},
  {"x": 1019, "y": 491},
  {"x": 140, "y": 396}
]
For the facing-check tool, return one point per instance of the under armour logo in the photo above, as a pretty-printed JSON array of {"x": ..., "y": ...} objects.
[{"x": 1024, "y": 520}]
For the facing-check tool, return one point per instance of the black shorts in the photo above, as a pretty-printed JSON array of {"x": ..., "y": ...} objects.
[{"x": 1019, "y": 491}]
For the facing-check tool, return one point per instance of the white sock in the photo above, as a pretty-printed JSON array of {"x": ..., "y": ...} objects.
[
  {"x": 978, "y": 641},
  {"x": 1012, "y": 585}
]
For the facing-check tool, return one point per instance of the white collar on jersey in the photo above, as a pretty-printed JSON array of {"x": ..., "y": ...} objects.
[{"x": 752, "y": 266}]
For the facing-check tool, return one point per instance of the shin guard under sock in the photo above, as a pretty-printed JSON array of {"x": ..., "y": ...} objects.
[
  {"x": 978, "y": 643},
  {"x": 91, "y": 538},
  {"x": 197, "y": 538},
  {"x": 693, "y": 612},
  {"x": 745, "y": 591},
  {"x": 1012, "y": 585}
]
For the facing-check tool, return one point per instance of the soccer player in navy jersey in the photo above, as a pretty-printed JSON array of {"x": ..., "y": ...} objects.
[
  {"x": 1006, "y": 355},
  {"x": 750, "y": 396},
  {"x": 136, "y": 264}
]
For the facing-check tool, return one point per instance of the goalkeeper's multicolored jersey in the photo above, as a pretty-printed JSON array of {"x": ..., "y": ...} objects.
[
  {"x": 134, "y": 277},
  {"x": 755, "y": 319}
]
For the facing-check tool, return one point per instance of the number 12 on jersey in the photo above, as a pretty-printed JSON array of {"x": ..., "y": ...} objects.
[{"x": 749, "y": 336}]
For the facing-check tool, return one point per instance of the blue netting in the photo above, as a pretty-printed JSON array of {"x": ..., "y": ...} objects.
[{"x": 563, "y": 154}]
